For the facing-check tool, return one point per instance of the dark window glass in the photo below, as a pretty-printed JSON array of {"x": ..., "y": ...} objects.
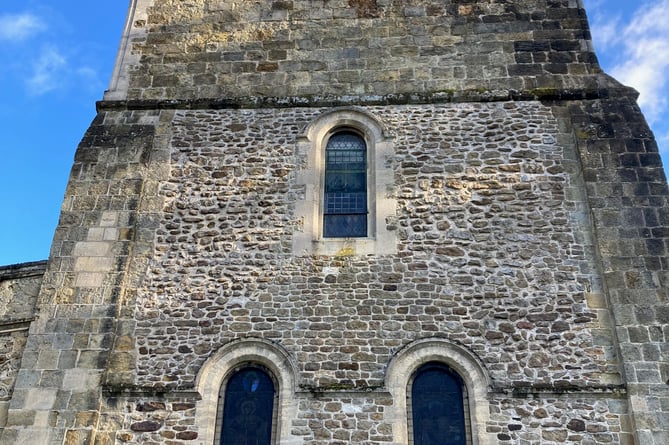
[
  {"x": 248, "y": 408},
  {"x": 437, "y": 407},
  {"x": 345, "y": 212}
]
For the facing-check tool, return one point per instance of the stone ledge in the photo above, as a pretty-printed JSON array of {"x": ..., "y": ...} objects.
[
  {"x": 138, "y": 393},
  {"x": 22, "y": 270},
  {"x": 608, "y": 391},
  {"x": 23, "y": 324},
  {"x": 618, "y": 391},
  {"x": 541, "y": 94}
]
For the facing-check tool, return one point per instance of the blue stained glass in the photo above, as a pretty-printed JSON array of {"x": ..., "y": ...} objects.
[
  {"x": 248, "y": 408},
  {"x": 342, "y": 226},
  {"x": 438, "y": 408},
  {"x": 345, "y": 209}
]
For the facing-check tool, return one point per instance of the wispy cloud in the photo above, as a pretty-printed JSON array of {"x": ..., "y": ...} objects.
[
  {"x": 642, "y": 52},
  {"x": 606, "y": 31},
  {"x": 42, "y": 58},
  {"x": 646, "y": 52},
  {"x": 48, "y": 72},
  {"x": 18, "y": 27}
]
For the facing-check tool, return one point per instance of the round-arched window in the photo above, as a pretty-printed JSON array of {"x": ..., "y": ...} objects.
[
  {"x": 345, "y": 203},
  {"x": 248, "y": 408},
  {"x": 437, "y": 405}
]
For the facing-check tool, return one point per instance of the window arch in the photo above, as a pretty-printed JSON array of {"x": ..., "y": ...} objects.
[
  {"x": 438, "y": 407},
  {"x": 449, "y": 361},
  {"x": 359, "y": 216},
  {"x": 345, "y": 185},
  {"x": 247, "y": 407},
  {"x": 226, "y": 363}
]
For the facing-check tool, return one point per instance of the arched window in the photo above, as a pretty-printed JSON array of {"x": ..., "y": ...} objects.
[
  {"x": 248, "y": 406},
  {"x": 438, "y": 407},
  {"x": 345, "y": 203}
]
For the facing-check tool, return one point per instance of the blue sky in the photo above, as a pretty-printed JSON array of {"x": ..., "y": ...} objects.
[{"x": 58, "y": 57}]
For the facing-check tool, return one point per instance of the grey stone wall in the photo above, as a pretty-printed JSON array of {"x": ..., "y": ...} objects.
[
  {"x": 57, "y": 392},
  {"x": 346, "y": 419},
  {"x": 309, "y": 50},
  {"x": 493, "y": 253},
  {"x": 627, "y": 193}
]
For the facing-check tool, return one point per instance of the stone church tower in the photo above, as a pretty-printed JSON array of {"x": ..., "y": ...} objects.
[{"x": 320, "y": 222}]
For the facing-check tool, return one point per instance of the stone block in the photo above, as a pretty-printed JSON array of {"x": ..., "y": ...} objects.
[
  {"x": 91, "y": 359},
  {"x": 40, "y": 399},
  {"x": 84, "y": 400},
  {"x": 4, "y": 408},
  {"x": 93, "y": 264},
  {"x": 27, "y": 379},
  {"x": 20, "y": 417},
  {"x": 78, "y": 380},
  {"x": 78, "y": 437},
  {"x": 92, "y": 249}
]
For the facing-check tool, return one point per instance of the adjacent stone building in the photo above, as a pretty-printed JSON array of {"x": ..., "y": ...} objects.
[{"x": 329, "y": 222}]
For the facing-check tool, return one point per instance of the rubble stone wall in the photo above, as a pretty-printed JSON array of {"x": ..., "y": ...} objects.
[{"x": 495, "y": 254}]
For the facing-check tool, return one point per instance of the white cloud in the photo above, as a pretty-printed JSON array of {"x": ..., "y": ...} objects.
[
  {"x": 18, "y": 27},
  {"x": 48, "y": 72},
  {"x": 644, "y": 60},
  {"x": 605, "y": 32},
  {"x": 46, "y": 61}
]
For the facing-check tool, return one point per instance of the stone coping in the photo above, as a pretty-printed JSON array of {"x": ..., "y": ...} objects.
[
  {"x": 542, "y": 94},
  {"x": 616, "y": 391},
  {"x": 7, "y": 326},
  {"x": 22, "y": 270}
]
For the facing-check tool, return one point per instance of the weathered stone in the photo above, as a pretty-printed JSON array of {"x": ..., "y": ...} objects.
[
  {"x": 145, "y": 426},
  {"x": 187, "y": 435},
  {"x": 576, "y": 425},
  {"x": 150, "y": 406}
]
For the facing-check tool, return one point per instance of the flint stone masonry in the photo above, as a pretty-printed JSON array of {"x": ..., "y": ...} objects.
[
  {"x": 524, "y": 229},
  {"x": 472, "y": 182}
]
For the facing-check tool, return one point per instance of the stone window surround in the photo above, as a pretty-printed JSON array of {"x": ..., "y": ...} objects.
[
  {"x": 381, "y": 205},
  {"x": 220, "y": 366},
  {"x": 404, "y": 365}
]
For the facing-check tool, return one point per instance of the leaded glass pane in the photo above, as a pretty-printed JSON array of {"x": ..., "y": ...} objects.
[
  {"x": 345, "y": 203},
  {"x": 248, "y": 409},
  {"x": 345, "y": 207},
  {"x": 341, "y": 226},
  {"x": 438, "y": 408}
]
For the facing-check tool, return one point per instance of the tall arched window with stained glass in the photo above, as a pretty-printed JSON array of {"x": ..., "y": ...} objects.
[
  {"x": 345, "y": 204},
  {"x": 438, "y": 407},
  {"x": 248, "y": 400}
]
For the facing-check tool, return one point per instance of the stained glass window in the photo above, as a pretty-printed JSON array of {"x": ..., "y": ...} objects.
[
  {"x": 437, "y": 405},
  {"x": 345, "y": 209},
  {"x": 248, "y": 408}
]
